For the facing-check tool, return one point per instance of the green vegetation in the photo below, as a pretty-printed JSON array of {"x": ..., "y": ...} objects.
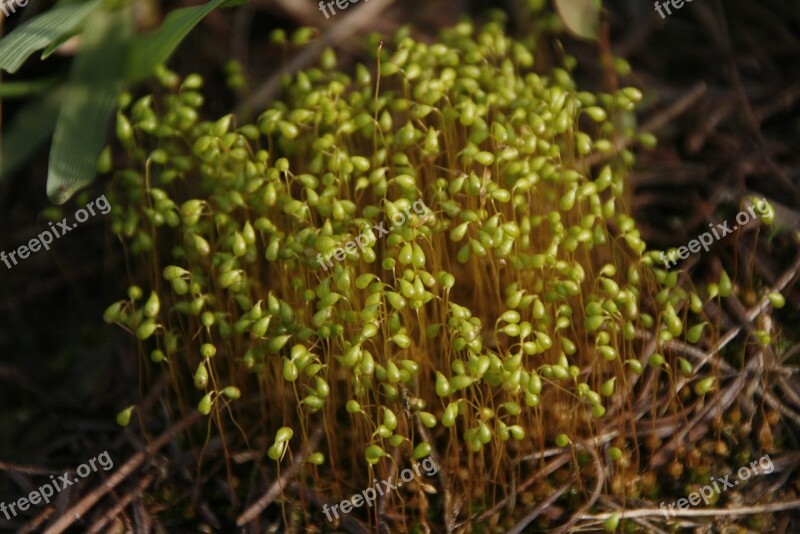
[{"x": 522, "y": 312}]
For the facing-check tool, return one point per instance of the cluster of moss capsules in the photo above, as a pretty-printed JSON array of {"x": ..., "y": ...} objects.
[{"x": 506, "y": 319}]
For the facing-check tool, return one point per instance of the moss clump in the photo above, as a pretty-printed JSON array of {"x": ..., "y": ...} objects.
[{"x": 505, "y": 311}]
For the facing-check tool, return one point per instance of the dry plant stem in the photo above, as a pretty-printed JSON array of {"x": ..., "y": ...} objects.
[
  {"x": 729, "y": 394},
  {"x": 85, "y": 504},
  {"x": 785, "y": 279},
  {"x": 708, "y": 512},
  {"x": 790, "y": 391},
  {"x": 277, "y": 487},
  {"x": 598, "y": 487},
  {"x": 720, "y": 404},
  {"x": 27, "y": 469},
  {"x": 536, "y": 512},
  {"x": 582, "y": 445},
  {"x": 383, "y": 500},
  {"x": 98, "y": 526},
  {"x": 551, "y": 467},
  {"x": 34, "y": 524},
  {"x": 685, "y": 349},
  {"x": 449, "y": 517},
  {"x": 350, "y": 24},
  {"x": 649, "y": 527},
  {"x": 773, "y": 401}
]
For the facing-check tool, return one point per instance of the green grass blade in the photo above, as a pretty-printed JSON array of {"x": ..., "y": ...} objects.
[
  {"x": 150, "y": 49},
  {"x": 95, "y": 83},
  {"x": 40, "y": 31}
]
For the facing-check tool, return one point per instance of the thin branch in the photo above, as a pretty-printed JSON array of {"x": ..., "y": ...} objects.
[
  {"x": 277, "y": 486},
  {"x": 84, "y": 505},
  {"x": 707, "y": 512}
]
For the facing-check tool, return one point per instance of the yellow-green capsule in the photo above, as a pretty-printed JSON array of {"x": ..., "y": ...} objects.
[
  {"x": 655, "y": 360},
  {"x": 124, "y": 129},
  {"x": 104, "y": 162},
  {"x": 239, "y": 246},
  {"x": 290, "y": 371},
  {"x": 694, "y": 333},
  {"x": 405, "y": 254},
  {"x": 418, "y": 256},
  {"x": 389, "y": 419},
  {"x": 201, "y": 245},
  {"x": 442, "y": 385},
  {"x": 611, "y": 524},
  {"x": 313, "y": 402},
  {"x": 201, "y": 376},
  {"x": 484, "y": 433},
  {"x": 685, "y": 367},
  {"x": 607, "y": 389},
  {"x": 422, "y": 450},
  {"x": 459, "y": 382},
  {"x": 704, "y": 386},
  {"x": 777, "y": 300},
  {"x": 392, "y": 374},
  {"x": 427, "y": 419},
  {"x": 353, "y": 406},
  {"x": 516, "y": 432},
  {"x": 374, "y": 453},
  {"x": 402, "y": 341},
  {"x": 204, "y": 406},
  {"x": 146, "y": 329},
  {"x": 531, "y": 399},
  {"x": 635, "y": 365},
  {"x": 316, "y": 458},
  {"x": 207, "y": 350},
  {"x": 259, "y": 328},
  {"x": 450, "y": 414},
  {"x": 725, "y": 285},
  {"x": 112, "y": 313},
  {"x": 232, "y": 392},
  {"x": 283, "y": 434},
  {"x": 124, "y": 417},
  {"x": 276, "y": 451}
]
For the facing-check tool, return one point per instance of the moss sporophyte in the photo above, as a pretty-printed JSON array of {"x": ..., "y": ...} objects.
[{"x": 509, "y": 307}]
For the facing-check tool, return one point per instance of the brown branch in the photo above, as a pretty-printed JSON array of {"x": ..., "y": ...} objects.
[
  {"x": 85, "y": 504},
  {"x": 122, "y": 504},
  {"x": 708, "y": 512},
  {"x": 277, "y": 486}
]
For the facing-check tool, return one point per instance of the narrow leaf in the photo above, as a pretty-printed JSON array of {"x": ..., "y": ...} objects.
[
  {"x": 40, "y": 31},
  {"x": 95, "y": 82},
  {"x": 148, "y": 50}
]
